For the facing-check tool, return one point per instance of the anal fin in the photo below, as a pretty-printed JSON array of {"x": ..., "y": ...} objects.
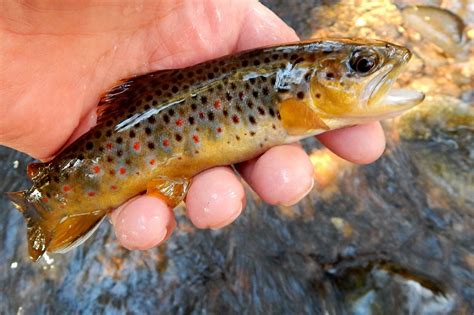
[
  {"x": 171, "y": 191},
  {"x": 74, "y": 230}
]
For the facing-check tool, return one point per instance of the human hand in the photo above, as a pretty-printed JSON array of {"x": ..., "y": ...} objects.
[{"x": 57, "y": 59}]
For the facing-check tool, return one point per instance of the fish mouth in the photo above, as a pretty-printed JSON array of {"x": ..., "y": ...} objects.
[{"x": 384, "y": 102}]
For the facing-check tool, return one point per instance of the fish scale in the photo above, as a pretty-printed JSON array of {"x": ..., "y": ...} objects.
[{"x": 155, "y": 131}]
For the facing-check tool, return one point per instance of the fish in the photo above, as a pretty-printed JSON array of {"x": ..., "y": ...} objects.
[
  {"x": 439, "y": 26},
  {"x": 156, "y": 131}
]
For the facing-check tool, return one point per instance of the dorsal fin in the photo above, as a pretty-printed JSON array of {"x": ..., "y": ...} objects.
[
  {"x": 110, "y": 103},
  {"x": 34, "y": 169},
  {"x": 128, "y": 91}
]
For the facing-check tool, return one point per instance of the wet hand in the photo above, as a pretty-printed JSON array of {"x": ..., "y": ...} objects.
[{"x": 58, "y": 60}]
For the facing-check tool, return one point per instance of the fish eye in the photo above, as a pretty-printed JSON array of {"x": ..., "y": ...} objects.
[{"x": 364, "y": 62}]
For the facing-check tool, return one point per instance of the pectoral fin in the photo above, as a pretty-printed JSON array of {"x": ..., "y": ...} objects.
[
  {"x": 171, "y": 191},
  {"x": 298, "y": 118}
]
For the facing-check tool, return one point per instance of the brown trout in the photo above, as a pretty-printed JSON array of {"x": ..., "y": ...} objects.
[{"x": 155, "y": 131}]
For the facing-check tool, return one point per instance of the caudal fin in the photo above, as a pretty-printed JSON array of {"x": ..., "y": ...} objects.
[{"x": 39, "y": 236}]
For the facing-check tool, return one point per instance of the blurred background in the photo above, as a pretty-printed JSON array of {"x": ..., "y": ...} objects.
[{"x": 393, "y": 237}]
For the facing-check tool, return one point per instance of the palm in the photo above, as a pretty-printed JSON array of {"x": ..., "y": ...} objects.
[{"x": 60, "y": 72}]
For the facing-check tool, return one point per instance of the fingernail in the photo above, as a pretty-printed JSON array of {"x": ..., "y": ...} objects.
[
  {"x": 228, "y": 220},
  {"x": 300, "y": 197}
]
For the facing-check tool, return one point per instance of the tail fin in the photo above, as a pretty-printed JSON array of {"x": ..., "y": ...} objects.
[{"x": 38, "y": 236}]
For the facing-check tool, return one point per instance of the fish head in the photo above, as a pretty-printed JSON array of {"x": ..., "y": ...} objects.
[{"x": 352, "y": 82}]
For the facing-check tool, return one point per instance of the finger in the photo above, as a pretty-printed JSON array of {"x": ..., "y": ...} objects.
[
  {"x": 361, "y": 144},
  {"x": 143, "y": 223},
  {"x": 263, "y": 27},
  {"x": 282, "y": 175},
  {"x": 215, "y": 198}
]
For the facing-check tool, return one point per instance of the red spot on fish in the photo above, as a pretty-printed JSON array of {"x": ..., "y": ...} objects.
[
  {"x": 91, "y": 194},
  {"x": 179, "y": 122},
  {"x": 45, "y": 200},
  {"x": 113, "y": 187},
  {"x": 109, "y": 146},
  {"x": 61, "y": 206},
  {"x": 96, "y": 169},
  {"x": 201, "y": 115},
  {"x": 152, "y": 162},
  {"x": 122, "y": 170},
  {"x": 136, "y": 146},
  {"x": 66, "y": 188},
  {"x": 166, "y": 142},
  {"x": 241, "y": 96},
  {"x": 217, "y": 104},
  {"x": 219, "y": 129},
  {"x": 196, "y": 138}
]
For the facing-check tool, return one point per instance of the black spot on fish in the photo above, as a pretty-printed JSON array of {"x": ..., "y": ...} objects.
[{"x": 330, "y": 75}]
